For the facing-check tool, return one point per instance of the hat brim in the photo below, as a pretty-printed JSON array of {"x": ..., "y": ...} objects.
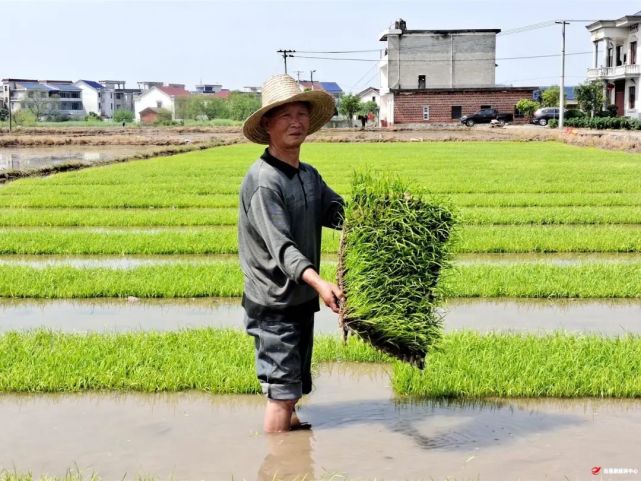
[{"x": 322, "y": 107}]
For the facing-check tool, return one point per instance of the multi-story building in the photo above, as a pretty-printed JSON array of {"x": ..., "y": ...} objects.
[
  {"x": 45, "y": 98},
  {"x": 430, "y": 76},
  {"x": 124, "y": 98},
  {"x": 615, "y": 61}
]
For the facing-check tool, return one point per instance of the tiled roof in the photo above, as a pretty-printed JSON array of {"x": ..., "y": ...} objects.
[
  {"x": 331, "y": 87},
  {"x": 64, "y": 87},
  {"x": 96, "y": 85},
  {"x": 34, "y": 86},
  {"x": 174, "y": 91}
]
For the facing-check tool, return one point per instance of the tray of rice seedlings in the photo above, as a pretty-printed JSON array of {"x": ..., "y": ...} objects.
[{"x": 393, "y": 249}]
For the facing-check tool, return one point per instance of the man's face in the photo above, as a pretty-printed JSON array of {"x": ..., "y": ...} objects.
[{"x": 288, "y": 125}]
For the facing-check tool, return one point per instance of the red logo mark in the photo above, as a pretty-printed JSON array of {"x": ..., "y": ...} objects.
[{"x": 596, "y": 470}]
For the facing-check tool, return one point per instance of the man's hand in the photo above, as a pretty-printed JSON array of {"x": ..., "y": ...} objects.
[{"x": 331, "y": 294}]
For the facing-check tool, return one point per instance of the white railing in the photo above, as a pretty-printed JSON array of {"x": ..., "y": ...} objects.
[{"x": 614, "y": 72}]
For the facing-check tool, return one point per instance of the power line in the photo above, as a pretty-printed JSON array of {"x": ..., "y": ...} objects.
[
  {"x": 340, "y": 51},
  {"x": 286, "y": 53},
  {"x": 526, "y": 57}
]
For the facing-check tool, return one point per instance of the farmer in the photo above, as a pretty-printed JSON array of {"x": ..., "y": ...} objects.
[{"x": 283, "y": 205}]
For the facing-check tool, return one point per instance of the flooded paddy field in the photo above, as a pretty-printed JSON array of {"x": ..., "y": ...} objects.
[
  {"x": 20, "y": 158},
  {"x": 609, "y": 317},
  {"x": 360, "y": 431}
]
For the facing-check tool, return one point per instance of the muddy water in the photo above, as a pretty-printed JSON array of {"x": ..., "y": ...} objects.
[
  {"x": 359, "y": 432},
  {"x": 605, "y": 317},
  {"x": 21, "y": 158}
]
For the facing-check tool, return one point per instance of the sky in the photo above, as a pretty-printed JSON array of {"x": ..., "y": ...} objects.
[{"x": 234, "y": 43}]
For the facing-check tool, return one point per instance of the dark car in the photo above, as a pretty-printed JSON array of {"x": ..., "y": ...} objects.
[
  {"x": 544, "y": 115},
  {"x": 485, "y": 116}
]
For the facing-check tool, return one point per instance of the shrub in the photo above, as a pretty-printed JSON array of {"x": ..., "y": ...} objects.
[
  {"x": 553, "y": 123},
  {"x": 164, "y": 117},
  {"x": 24, "y": 117},
  {"x": 92, "y": 116},
  {"x": 122, "y": 115},
  {"x": 393, "y": 248}
]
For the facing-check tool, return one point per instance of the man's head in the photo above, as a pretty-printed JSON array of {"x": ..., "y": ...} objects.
[
  {"x": 287, "y": 125},
  {"x": 287, "y": 113}
]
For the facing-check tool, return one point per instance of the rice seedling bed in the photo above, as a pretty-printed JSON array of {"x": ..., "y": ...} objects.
[
  {"x": 222, "y": 239},
  {"x": 466, "y": 365},
  {"x": 213, "y": 216},
  {"x": 223, "y": 278}
]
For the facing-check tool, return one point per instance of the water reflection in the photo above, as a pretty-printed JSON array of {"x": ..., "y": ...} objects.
[{"x": 289, "y": 457}]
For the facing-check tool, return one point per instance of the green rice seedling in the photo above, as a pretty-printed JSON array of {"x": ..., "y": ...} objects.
[
  {"x": 393, "y": 249},
  {"x": 471, "y": 365}
]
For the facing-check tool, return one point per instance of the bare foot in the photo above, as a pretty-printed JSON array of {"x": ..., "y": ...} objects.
[{"x": 296, "y": 424}]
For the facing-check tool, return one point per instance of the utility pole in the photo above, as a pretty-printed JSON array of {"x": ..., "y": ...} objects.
[
  {"x": 563, "y": 23},
  {"x": 298, "y": 72},
  {"x": 9, "y": 103},
  {"x": 286, "y": 53},
  {"x": 311, "y": 77}
]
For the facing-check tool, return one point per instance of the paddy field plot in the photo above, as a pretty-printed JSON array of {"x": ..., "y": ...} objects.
[{"x": 511, "y": 198}]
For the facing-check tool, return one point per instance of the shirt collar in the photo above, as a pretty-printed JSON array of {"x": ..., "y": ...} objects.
[{"x": 284, "y": 167}]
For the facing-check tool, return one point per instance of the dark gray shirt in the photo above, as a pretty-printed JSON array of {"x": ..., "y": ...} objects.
[{"x": 282, "y": 212}]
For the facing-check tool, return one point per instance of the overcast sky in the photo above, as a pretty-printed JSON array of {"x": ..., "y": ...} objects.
[{"x": 235, "y": 42}]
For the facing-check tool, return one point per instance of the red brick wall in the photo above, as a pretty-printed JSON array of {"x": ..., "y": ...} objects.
[{"x": 408, "y": 106}]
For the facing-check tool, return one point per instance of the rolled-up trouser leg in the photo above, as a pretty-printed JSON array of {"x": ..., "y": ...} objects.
[{"x": 283, "y": 355}]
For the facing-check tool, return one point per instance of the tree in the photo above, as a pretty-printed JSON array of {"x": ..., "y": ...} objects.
[
  {"x": 24, "y": 117},
  {"x": 550, "y": 96},
  {"x": 122, "y": 115},
  {"x": 367, "y": 107},
  {"x": 163, "y": 117},
  {"x": 348, "y": 105},
  {"x": 527, "y": 107},
  {"x": 40, "y": 104},
  {"x": 4, "y": 113},
  {"x": 590, "y": 97},
  {"x": 241, "y": 105}
]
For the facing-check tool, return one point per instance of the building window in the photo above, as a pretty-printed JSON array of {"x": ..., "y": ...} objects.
[
  {"x": 457, "y": 111},
  {"x": 618, "y": 55},
  {"x": 426, "y": 112},
  {"x": 112, "y": 106},
  {"x": 632, "y": 91},
  {"x": 159, "y": 104},
  {"x": 486, "y": 107},
  {"x": 421, "y": 81},
  {"x": 608, "y": 59},
  {"x": 373, "y": 99},
  {"x": 633, "y": 53}
]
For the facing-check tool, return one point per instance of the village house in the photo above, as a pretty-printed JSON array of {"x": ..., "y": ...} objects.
[
  {"x": 160, "y": 97},
  {"x": 437, "y": 76},
  {"x": 615, "y": 61},
  {"x": 45, "y": 98},
  {"x": 370, "y": 94}
]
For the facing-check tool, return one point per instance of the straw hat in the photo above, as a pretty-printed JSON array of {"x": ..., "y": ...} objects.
[{"x": 283, "y": 89}]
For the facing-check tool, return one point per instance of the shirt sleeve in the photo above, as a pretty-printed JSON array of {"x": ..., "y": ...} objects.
[
  {"x": 268, "y": 213},
  {"x": 332, "y": 207}
]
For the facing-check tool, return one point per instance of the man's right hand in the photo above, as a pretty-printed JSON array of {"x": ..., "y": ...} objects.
[{"x": 331, "y": 294}]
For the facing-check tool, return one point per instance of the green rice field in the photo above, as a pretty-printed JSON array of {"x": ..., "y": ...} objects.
[{"x": 510, "y": 197}]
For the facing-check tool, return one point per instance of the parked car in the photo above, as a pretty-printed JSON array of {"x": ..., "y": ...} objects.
[
  {"x": 544, "y": 115},
  {"x": 485, "y": 116}
]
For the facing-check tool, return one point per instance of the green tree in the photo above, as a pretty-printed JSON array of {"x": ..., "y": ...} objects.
[
  {"x": 4, "y": 113},
  {"x": 527, "y": 107},
  {"x": 348, "y": 105},
  {"x": 550, "y": 96},
  {"x": 241, "y": 105},
  {"x": 367, "y": 107},
  {"x": 122, "y": 115},
  {"x": 590, "y": 97}
]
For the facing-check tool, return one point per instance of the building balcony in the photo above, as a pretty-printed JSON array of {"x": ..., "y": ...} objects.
[{"x": 614, "y": 73}]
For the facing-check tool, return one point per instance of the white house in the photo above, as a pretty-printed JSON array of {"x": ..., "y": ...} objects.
[
  {"x": 160, "y": 97},
  {"x": 615, "y": 61},
  {"x": 370, "y": 94},
  {"x": 97, "y": 98}
]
